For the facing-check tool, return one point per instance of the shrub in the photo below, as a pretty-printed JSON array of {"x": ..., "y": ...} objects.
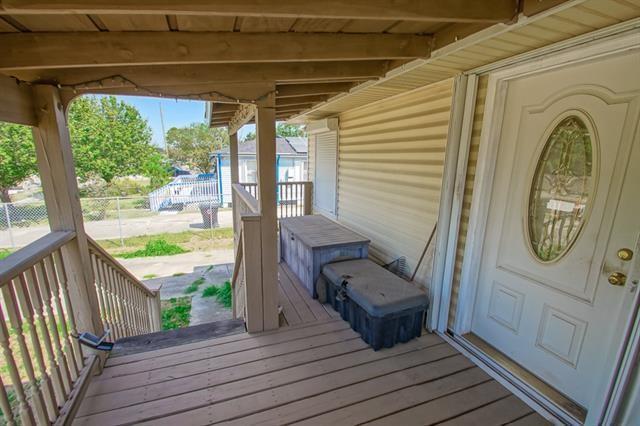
[
  {"x": 157, "y": 247},
  {"x": 193, "y": 287},
  {"x": 210, "y": 291},
  {"x": 223, "y": 293},
  {"x": 176, "y": 312}
]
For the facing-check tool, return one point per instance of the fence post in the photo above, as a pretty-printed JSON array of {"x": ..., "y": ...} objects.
[
  {"x": 6, "y": 212},
  {"x": 308, "y": 198},
  {"x": 119, "y": 221}
]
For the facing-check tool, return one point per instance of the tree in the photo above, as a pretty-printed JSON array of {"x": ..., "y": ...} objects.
[
  {"x": 193, "y": 145},
  {"x": 283, "y": 130},
  {"x": 111, "y": 139},
  {"x": 249, "y": 137},
  {"x": 17, "y": 157},
  {"x": 289, "y": 130}
]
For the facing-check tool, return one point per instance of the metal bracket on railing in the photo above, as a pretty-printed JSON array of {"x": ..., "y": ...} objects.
[{"x": 95, "y": 342}]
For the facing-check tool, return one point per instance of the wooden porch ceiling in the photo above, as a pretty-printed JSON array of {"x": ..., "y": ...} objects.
[{"x": 229, "y": 51}]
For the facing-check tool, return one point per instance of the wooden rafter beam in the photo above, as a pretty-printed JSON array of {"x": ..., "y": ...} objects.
[
  {"x": 51, "y": 50},
  {"x": 413, "y": 10},
  {"x": 224, "y": 108},
  {"x": 219, "y": 74},
  {"x": 203, "y": 92},
  {"x": 298, "y": 107},
  {"x": 245, "y": 113},
  {"x": 300, "y": 100},
  {"x": 295, "y": 90}
]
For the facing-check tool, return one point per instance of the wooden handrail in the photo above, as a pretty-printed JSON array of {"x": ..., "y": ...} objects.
[
  {"x": 127, "y": 306},
  {"x": 28, "y": 256},
  {"x": 250, "y": 201},
  {"x": 44, "y": 372},
  {"x": 237, "y": 261},
  {"x": 95, "y": 247}
]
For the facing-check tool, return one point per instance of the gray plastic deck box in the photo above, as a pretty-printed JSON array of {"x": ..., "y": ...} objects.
[
  {"x": 382, "y": 307},
  {"x": 307, "y": 243}
]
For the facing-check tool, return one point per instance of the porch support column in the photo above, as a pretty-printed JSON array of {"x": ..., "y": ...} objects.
[
  {"x": 57, "y": 172},
  {"x": 266, "y": 161},
  {"x": 233, "y": 156}
]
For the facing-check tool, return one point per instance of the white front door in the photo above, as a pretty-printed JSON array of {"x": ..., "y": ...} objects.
[{"x": 565, "y": 200}]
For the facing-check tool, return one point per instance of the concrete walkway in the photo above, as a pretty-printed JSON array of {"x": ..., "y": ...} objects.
[{"x": 175, "y": 273}]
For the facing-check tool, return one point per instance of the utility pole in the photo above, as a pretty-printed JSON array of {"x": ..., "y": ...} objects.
[{"x": 164, "y": 135}]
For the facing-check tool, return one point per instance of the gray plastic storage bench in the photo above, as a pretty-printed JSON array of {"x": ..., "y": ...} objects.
[
  {"x": 307, "y": 243},
  {"x": 382, "y": 307}
]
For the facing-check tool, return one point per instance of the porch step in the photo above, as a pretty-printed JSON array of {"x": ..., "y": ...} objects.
[{"x": 181, "y": 336}]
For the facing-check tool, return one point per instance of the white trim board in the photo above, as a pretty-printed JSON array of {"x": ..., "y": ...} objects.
[
  {"x": 451, "y": 193},
  {"x": 611, "y": 43}
]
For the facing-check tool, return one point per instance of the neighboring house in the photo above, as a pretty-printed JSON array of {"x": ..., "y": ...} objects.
[{"x": 291, "y": 161}]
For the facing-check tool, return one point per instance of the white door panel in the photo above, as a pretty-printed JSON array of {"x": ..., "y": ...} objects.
[{"x": 543, "y": 297}]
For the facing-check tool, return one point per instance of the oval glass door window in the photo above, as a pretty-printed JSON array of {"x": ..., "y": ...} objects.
[{"x": 561, "y": 190}]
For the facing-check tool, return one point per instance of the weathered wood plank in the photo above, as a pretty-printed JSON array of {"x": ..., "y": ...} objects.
[
  {"x": 499, "y": 412},
  {"x": 328, "y": 375},
  {"x": 160, "y": 76},
  {"x": 255, "y": 363},
  {"x": 125, "y": 359},
  {"x": 266, "y": 175},
  {"x": 51, "y": 50},
  {"x": 208, "y": 353},
  {"x": 448, "y": 407},
  {"x": 16, "y": 102},
  {"x": 444, "y": 375},
  {"x": 298, "y": 304},
  {"x": 417, "y": 10},
  {"x": 290, "y": 313},
  {"x": 316, "y": 308}
]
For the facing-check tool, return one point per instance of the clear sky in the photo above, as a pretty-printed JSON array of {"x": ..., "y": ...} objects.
[{"x": 176, "y": 113}]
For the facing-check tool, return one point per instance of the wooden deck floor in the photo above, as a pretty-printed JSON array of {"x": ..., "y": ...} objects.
[
  {"x": 297, "y": 304},
  {"x": 315, "y": 371}
]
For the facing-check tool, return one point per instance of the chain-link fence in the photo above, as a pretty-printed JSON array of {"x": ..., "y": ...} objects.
[{"x": 115, "y": 218}]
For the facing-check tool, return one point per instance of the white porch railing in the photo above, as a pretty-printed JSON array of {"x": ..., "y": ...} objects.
[
  {"x": 293, "y": 198},
  {"x": 46, "y": 370}
]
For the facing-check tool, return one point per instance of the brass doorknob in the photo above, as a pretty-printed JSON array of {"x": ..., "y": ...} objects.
[
  {"x": 625, "y": 254},
  {"x": 617, "y": 278}
]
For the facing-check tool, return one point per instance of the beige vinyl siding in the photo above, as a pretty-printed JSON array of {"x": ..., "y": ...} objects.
[
  {"x": 468, "y": 192},
  {"x": 390, "y": 165}
]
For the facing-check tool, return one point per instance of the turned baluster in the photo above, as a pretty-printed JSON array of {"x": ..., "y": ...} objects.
[
  {"x": 48, "y": 302},
  {"x": 26, "y": 414},
  {"x": 54, "y": 368},
  {"x": 17, "y": 326}
]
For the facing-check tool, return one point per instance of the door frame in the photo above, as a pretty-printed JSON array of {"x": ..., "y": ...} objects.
[{"x": 598, "y": 44}]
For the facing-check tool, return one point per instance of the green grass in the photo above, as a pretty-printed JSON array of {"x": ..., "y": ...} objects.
[
  {"x": 222, "y": 293},
  {"x": 192, "y": 240},
  {"x": 176, "y": 312},
  {"x": 173, "y": 238},
  {"x": 193, "y": 287},
  {"x": 150, "y": 276},
  {"x": 4, "y": 253},
  {"x": 178, "y": 274},
  {"x": 156, "y": 247}
]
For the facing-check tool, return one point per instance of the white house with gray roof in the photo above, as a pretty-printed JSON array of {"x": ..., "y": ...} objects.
[{"x": 291, "y": 163}]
